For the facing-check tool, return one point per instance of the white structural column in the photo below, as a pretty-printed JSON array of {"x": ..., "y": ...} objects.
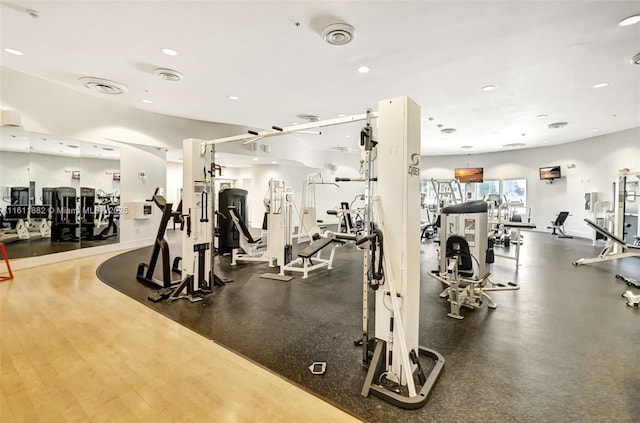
[{"x": 399, "y": 191}]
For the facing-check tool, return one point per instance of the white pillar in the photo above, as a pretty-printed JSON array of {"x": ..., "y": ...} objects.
[{"x": 399, "y": 190}]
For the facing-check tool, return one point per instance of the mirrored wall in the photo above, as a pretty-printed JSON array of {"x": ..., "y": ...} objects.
[{"x": 56, "y": 194}]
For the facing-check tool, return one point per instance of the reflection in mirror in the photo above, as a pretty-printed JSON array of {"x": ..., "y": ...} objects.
[
  {"x": 99, "y": 194},
  {"x": 67, "y": 193}
]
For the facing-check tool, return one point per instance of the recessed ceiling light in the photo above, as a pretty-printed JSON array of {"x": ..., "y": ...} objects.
[
  {"x": 294, "y": 123},
  {"x": 488, "y": 88},
  {"x": 594, "y": 130},
  {"x": 557, "y": 125},
  {"x": 233, "y": 97},
  {"x": 341, "y": 115},
  {"x": 14, "y": 51},
  {"x": 255, "y": 159},
  {"x": 147, "y": 101},
  {"x": 542, "y": 116},
  {"x": 630, "y": 20},
  {"x": 347, "y": 136},
  {"x": 169, "y": 52},
  {"x": 600, "y": 84},
  {"x": 274, "y": 162},
  {"x": 363, "y": 69}
]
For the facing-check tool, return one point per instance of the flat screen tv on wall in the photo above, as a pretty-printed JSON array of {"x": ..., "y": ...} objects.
[
  {"x": 469, "y": 174},
  {"x": 550, "y": 173}
]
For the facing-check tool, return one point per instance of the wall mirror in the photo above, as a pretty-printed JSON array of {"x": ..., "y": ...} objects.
[{"x": 56, "y": 194}]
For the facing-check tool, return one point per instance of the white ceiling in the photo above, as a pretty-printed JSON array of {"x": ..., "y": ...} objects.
[{"x": 543, "y": 57}]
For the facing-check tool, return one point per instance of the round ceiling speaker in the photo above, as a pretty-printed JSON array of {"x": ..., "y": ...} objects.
[
  {"x": 339, "y": 34},
  {"x": 103, "y": 86}
]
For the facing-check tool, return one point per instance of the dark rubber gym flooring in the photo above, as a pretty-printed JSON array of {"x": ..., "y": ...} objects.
[{"x": 564, "y": 348}]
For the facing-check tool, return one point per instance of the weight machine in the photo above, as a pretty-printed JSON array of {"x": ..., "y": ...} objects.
[
  {"x": 277, "y": 250},
  {"x": 622, "y": 242},
  {"x": 308, "y": 223},
  {"x": 395, "y": 373},
  {"x": 466, "y": 251}
]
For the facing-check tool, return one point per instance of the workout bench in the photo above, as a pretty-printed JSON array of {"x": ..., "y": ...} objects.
[
  {"x": 628, "y": 250},
  {"x": 558, "y": 225},
  {"x": 306, "y": 257}
]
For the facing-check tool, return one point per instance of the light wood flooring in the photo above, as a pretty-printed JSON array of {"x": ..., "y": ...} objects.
[{"x": 75, "y": 350}]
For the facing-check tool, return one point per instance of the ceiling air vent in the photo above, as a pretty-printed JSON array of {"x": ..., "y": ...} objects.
[
  {"x": 339, "y": 34},
  {"x": 168, "y": 74},
  {"x": 557, "y": 125},
  {"x": 309, "y": 118},
  {"x": 448, "y": 130},
  {"x": 103, "y": 86},
  {"x": 636, "y": 59}
]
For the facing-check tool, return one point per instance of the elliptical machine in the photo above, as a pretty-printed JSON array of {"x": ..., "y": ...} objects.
[{"x": 146, "y": 270}]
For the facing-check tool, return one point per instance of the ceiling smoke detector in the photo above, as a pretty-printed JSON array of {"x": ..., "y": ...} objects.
[
  {"x": 168, "y": 74},
  {"x": 103, "y": 86},
  {"x": 448, "y": 130},
  {"x": 557, "y": 125},
  {"x": 636, "y": 59},
  {"x": 339, "y": 34}
]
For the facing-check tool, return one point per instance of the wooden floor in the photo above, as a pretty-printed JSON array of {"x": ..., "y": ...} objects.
[{"x": 74, "y": 349}]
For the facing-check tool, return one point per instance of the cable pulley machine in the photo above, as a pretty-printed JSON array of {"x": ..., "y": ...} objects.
[{"x": 391, "y": 262}]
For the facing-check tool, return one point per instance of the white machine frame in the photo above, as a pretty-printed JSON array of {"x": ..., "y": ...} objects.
[{"x": 398, "y": 196}]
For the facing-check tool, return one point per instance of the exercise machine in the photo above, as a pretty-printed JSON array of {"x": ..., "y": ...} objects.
[
  {"x": 250, "y": 249},
  {"x": 466, "y": 253},
  {"x": 228, "y": 235},
  {"x": 307, "y": 215},
  {"x": 615, "y": 247},
  {"x": 198, "y": 213},
  {"x": 395, "y": 373},
  {"x": 626, "y": 207},
  {"x": 64, "y": 215},
  {"x": 557, "y": 226},
  {"x": 145, "y": 272}
]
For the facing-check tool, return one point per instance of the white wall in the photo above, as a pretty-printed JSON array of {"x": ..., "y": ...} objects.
[
  {"x": 133, "y": 161},
  {"x": 597, "y": 161},
  {"x": 174, "y": 183}
]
